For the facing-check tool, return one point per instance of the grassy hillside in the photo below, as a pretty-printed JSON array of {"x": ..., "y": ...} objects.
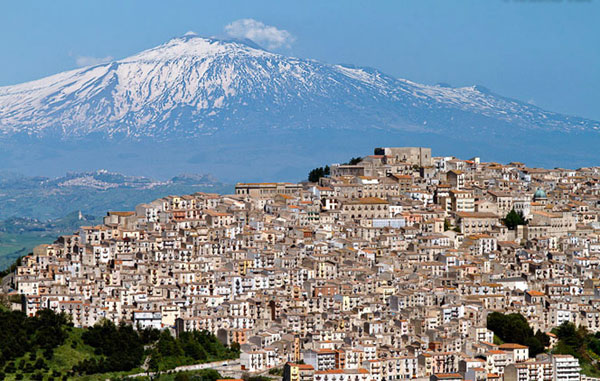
[
  {"x": 47, "y": 347},
  {"x": 13, "y": 246},
  {"x": 65, "y": 357}
]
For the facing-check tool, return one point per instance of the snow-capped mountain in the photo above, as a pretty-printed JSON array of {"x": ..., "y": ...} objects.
[
  {"x": 193, "y": 86},
  {"x": 240, "y": 112}
]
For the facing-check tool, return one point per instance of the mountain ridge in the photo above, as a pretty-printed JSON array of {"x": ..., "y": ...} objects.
[
  {"x": 232, "y": 109},
  {"x": 192, "y": 86}
]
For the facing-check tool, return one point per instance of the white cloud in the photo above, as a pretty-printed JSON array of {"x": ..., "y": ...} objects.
[
  {"x": 90, "y": 61},
  {"x": 265, "y": 35}
]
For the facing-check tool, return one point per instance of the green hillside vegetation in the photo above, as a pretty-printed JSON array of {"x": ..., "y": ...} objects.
[
  {"x": 48, "y": 347},
  {"x": 14, "y": 246},
  {"x": 514, "y": 328},
  {"x": 194, "y": 375},
  {"x": 189, "y": 348},
  {"x": 579, "y": 343}
]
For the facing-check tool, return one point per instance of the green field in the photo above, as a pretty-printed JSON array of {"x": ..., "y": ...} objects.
[
  {"x": 15, "y": 245},
  {"x": 18, "y": 236}
]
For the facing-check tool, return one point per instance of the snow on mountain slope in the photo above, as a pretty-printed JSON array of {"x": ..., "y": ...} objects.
[{"x": 193, "y": 86}]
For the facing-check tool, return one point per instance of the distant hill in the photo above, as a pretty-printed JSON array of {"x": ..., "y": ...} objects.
[
  {"x": 68, "y": 223},
  {"x": 93, "y": 193}
]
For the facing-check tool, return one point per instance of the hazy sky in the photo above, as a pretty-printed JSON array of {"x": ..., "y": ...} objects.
[{"x": 542, "y": 51}]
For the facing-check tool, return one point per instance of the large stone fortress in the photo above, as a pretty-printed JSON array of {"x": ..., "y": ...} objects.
[
  {"x": 387, "y": 161},
  {"x": 385, "y": 270},
  {"x": 412, "y": 155}
]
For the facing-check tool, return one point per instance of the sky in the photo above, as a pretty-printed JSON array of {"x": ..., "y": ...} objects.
[{"x": 546, "y": 52}]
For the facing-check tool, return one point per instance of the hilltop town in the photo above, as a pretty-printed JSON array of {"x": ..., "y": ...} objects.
[{"x": 387, "y": 268}]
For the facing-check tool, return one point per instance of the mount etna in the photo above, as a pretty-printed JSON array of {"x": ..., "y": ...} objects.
[{"x": 235, "y": 110}]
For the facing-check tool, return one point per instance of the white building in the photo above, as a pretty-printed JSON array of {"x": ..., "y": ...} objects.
[{"x": 566, "y": 368}]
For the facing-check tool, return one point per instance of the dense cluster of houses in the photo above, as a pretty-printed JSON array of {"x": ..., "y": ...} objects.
[{"x": 384, "y": 270}]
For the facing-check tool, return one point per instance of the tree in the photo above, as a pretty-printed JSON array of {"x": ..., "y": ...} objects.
[
  {"x": 9, "y": 368},
  {"x": 568, "y": 334},
  {"x": 48, "y": 353},
  {"x": 181, "y": 376},
  {"x": 578, "y": 342},
  {"x": 513, "y": 219},
  {"x": 509, "y": 328},
  {"x": 447, "y": 225},
  {"x": 21, "y": 335},
  {"x": 154, "y": 363},
  {"x": 40, "y": 364},
  {"x": 354, "y": 161},
  {"x": 535, "y": 346},
  {"x": 121, "y": 347},
  {"x": 209, "y": 375},
  {"x": 235, "y": 348},
  {"x": 514, "y": 328},
  {"x": 116, "y": 347},
  {"x": 543, "y": 338},
  {"x": 168, "y": 346},
  {"x": 317, "y": 173}
]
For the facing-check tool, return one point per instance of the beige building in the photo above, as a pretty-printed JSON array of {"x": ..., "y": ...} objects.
[
  {"x": 267, "y": 189},
  {"x": 419, "y": 156},
  {"x": 365, "y": 208},
  {"x": 476, "y": 222},
  {"x": 462, "y": 201}
]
